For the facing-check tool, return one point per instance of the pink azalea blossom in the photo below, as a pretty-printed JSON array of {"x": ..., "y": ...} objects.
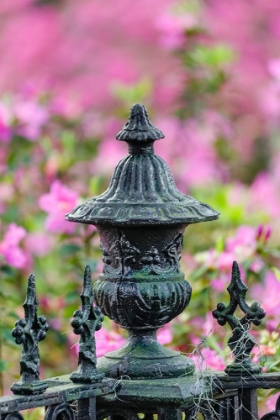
[
  {"x": 244, "y": 240},
  {"x": 265, "y": 194},
  {"x": 9, "y": 247},
  {"x": 6, "y": 193},
  {"x": 164, "y": 335},
  {"x": 59, "y": 201},
  {"x": 274, "y": 68},
  {"x": 31, "y": 118},
  {"x": 268, "y": 294},
  {"x": 221, "y": 282},
  {"x": 173, "y": 27},
  {"x": 257, "y": 265},
  {"x": 5, "y": 124},
  {"x": 269, "y": 405},
  {"x": 107, "y": 341},
  {"x": 5, "y": 132},
  {"x": 207, "y": 358},
  {"x": 38, "y": 244}
]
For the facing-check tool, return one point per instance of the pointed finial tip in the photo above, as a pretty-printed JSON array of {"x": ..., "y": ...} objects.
[
  {"x": 31, "y": 278},
  {"x": 139, "y": 128},
  {"x": 87, "y": 271}
]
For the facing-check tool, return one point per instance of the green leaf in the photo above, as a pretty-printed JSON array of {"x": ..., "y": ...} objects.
[
  {"x": 276, "y": 271},
  {"x": 213, "y": 56},
  {"x": 69, "y": 249},
  {"x": 3, "y": 365},
  {"x": 130, "y": 94}
]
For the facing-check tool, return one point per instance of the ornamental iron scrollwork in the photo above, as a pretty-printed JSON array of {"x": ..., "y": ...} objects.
[
  {"x": 13, "y": 416},
  {"x": 110, "y": 413},
  {"x": 85, "y": 322},
  {"x": 29, "y": 331},
  {"x": 173, "y": 251},
  {"x": 241, "y": 342},
  {"x": 112, "y": 259},
  {"x": 122, "y": 256},
  {"x": 60, "y": 412}
]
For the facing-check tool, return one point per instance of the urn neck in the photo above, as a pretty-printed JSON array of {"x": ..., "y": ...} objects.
[{"x": 141, "y": 148}]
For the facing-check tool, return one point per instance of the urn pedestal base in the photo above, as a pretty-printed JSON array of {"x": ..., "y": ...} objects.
[{"x": 144, "y": 358}]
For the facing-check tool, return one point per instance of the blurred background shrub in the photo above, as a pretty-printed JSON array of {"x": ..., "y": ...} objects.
[{"x": 209, "y": 74}]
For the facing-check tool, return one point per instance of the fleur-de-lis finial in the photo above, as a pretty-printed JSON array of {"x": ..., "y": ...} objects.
[
  {"x": 85, "y": 322},
  {"x": 29, "y": 331},
  {"x": 241, "y": 342}
]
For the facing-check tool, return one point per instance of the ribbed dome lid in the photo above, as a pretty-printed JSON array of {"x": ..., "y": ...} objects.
[{"x": 142, "y": 190}]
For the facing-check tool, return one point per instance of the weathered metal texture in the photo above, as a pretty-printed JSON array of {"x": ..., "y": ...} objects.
[
  {"x": 241, "y": 342},
  {"x": 214, "y": 395},
  {"x": 85, "y": 322},
  {"x": 29, "y": 331},
  {"x": 142, "y": 190},
  {"x": 61, "y": 390},
  {"x": 141, "y": 219}
]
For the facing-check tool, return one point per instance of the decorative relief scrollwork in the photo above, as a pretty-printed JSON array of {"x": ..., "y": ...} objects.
[
  {"x": 112, "y": 259},
  {"x": 122, "y": 257},
  {"x": 138, "y": 305},
  {"x": 129, "y": 253},
  {"x": 173, "y": 251}
]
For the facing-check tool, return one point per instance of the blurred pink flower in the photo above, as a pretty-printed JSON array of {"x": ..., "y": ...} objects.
[
  {"x": 59, "y": 201},
  {"x": 119, "y": 36},
  {"x": 10, "y": 249},
  {"x": 207, "y": 358},
  {"x": 5, "y": 132},
  {"x": 269, "y": 405},
  {"x": 110, "y": 152},
  {"x": 243, "y": 244},
  {"x": 224, "y": 260},
  {"x": 268, "y": 295},
  {"x": 265, "y": 195},
  {"x": 6, "y": 194},
  {"x": 257, "y": 265},
  {"x": 38, "y": 244},
  {"x": 107, "y": 341},
  {"x": 245, "y": 236},
  {"x": 5, "y": 124},
  {"x": 274, "y": 68},
  {"x": 31, "y": 118},
  {"x": 164, "y": 335},
  {"x": 222, "y": 281},
  {"x": 173, "y": 27}
]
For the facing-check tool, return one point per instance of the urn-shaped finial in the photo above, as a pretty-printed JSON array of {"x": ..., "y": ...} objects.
[{"x": 141, "y": 219}]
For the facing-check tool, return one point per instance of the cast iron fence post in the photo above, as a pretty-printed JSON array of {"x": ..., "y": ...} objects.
[{"x": 141, "y": 219}]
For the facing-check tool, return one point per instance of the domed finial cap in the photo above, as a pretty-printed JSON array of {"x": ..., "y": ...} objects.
[{"x": 139, "y": 128}]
